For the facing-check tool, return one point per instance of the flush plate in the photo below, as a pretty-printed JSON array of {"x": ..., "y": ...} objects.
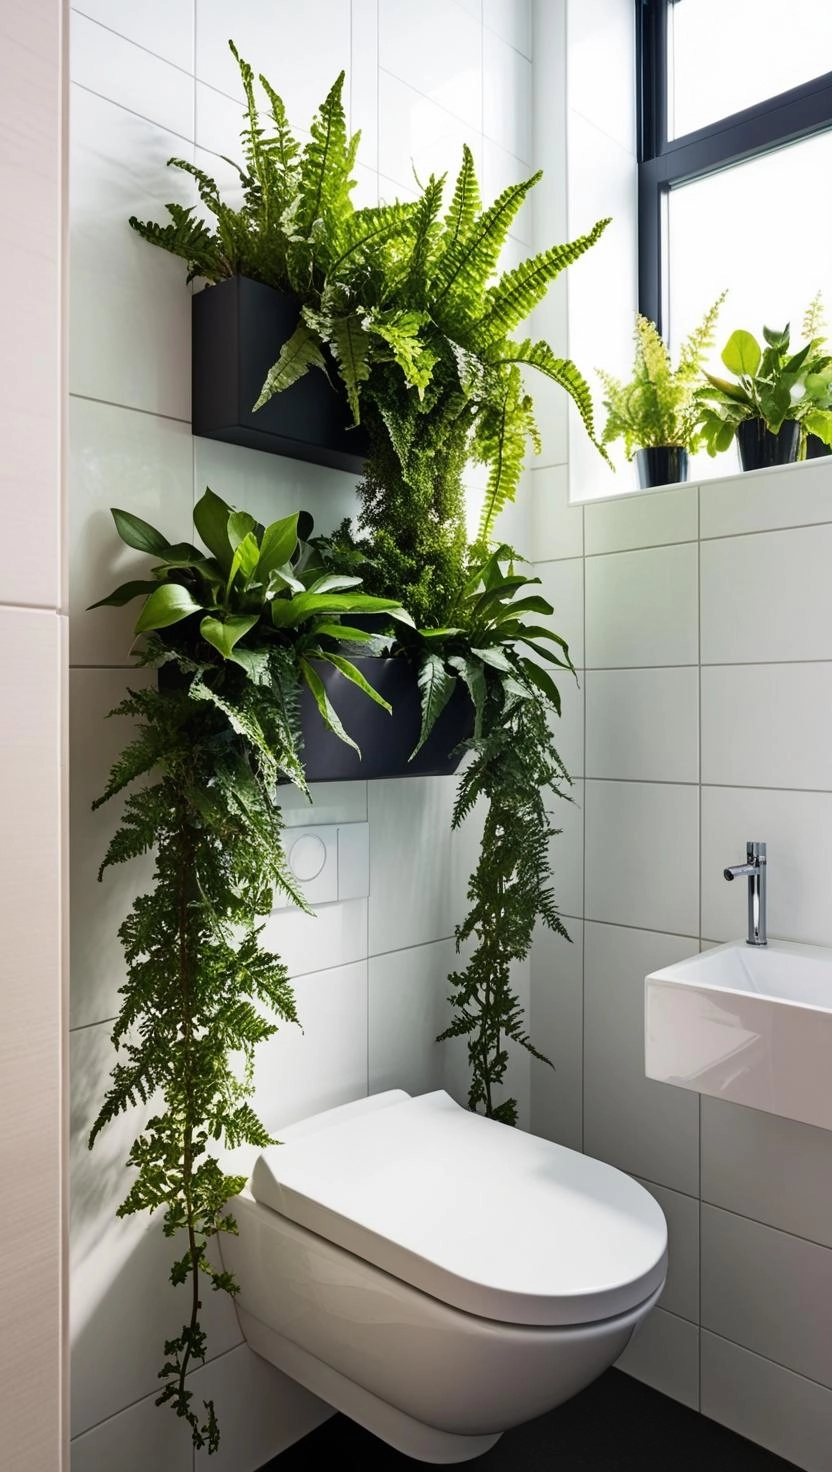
[{"x": 752, "y": 1024}]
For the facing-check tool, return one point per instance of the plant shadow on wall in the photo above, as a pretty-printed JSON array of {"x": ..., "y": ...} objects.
[{"x": 402, "y": 306}]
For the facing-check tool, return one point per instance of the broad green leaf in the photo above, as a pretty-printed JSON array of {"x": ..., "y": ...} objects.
[
  {"x": 333, "y": 583},
  {"x": 244, "y": 560},
  {"x": 277, "y": 546},
  {"x": 240, "y": 525},
  {"x": 287, "y": 613},
  {"x": 495, "y": 658},
  {"x": 349, "y": 671},
  {"x": 211, "y": 516},
  {"x": 543, "y": 680},
  {"x": 225, "y": 634},
  {"x": 124, "y": 594},
  {"x": 182, "y": 554},
  {"x": 324, "y": 704},
  {"x": 344, "y": 633},
  {"x": 473, "y": 675},
  {"x": 284, "y": 577},
  {"x": 139, "y": 534},
  {"x": 436, "y": 686},
  {"x": 741, "y": 354},
  {"x": 168, "y": 604}
]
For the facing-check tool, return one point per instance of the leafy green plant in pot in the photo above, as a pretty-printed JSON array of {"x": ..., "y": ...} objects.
[
  {"x": 235, "y": 631},
  {"x": 655, "y": 411},
  {"x": 775, "y": 394},
  {"x": 812, "y": 446}
]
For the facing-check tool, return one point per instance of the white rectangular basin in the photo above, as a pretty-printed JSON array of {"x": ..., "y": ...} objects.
[{"x": 752, "y": 1024}]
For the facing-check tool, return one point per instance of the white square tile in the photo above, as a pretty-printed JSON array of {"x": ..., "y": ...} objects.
[
  {"x": 788, "y": 615},
  {"x": 790, "y": 495},
  {"x": 130, "y": 309},
  {"x": 562, "y": 584},
  {"x": 568, "y": 728},
  {"x": 796, "y": 827},
  {"x": 419, "y": 138},
  {"x": 449, "y": 73},
  {"x": 601, "y": 58},
  {"x": 788, "y": 707},
  {"x": 642, "y": 855},
  {"x": 270, "y": 486},
  {"x": 774, "y": 1170},
  {"x": 363, "y": 85},
  {"x": 788, "y": 1322},
  {"x": 511, "y": 19},
  {"x": 648, "y": 1129},
  {"x": 681, "y": 1291},
  {"x": 275, "y": 40},
  {"x": 765, "y": 1403},
  {"x": 261, "y": 1412},
  {"x": 652, "y": 519},
  {"x": 98, "y": 909},
  {"x": 506, "y": 96},
  {"x": 557, "y": 526},
  {"x": 334, "y": 935},
  {"x": 143, "y": 464},
  {"x": 566, "y": 849},
  {"x": 664, "y": 1353},
  {"x": 556, "y": 1029},
  {"x": 643, "y": 725},
  {"x": 165, "y": 27},
  {"x": 411, "y": 870},
  {"x": 641, "y": 608},
  {"x": 502, "y": 170},
  {"x": 144, "y": 1435},
  {"x": 105, "y": 63},
  {"x": 408, "y": 1009}
]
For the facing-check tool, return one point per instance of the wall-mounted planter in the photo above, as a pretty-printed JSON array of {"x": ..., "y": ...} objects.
[
  {"x": 237, "y": 329},
  {"x": 386, "y": 741}
]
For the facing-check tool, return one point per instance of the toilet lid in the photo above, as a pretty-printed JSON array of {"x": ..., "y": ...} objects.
[{"x": 494, "y": 1221}]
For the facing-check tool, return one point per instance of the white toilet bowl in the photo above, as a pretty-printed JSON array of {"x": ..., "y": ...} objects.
[{"x": 437, "y": 1276}]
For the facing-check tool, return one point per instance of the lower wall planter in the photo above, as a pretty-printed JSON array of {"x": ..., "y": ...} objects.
[
  {"x": 386, "y": 741},
  {"x": 758, "y": 448},
  {"x": 237, "y": 330}
]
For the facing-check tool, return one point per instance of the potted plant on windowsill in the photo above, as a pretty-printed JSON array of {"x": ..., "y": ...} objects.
[
  {"x": 777, "y": 395},
  {"x": 655, "y": 412}
]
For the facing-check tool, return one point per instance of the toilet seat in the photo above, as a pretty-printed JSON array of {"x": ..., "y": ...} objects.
[{"x": 490, "y": 1220}]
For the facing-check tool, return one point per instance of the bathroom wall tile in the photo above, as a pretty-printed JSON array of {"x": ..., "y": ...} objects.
[
  {"x": 796, "y": 827},
  {"x": 664, "y": 1353},
  {"x": 556, "y": 1029},
  {"x": 790, "y": 495},
  {"x": 417, "y": 137},
  {"x": 408, "y": 1008},
  {"x": 557, "y": 526},
  {"x": 328, "y": 802},
  {"x": 642, "y": 845},
  {"x": 105, "y": 63},
  {"x": 501, "y": 170},
  {"x": 602, "y": 67},
  {"x": 261, "y": 1411},
  {"x": 144, "y": 1435},
  {"x": 764, "y": 699},
  {"x": 273, "y": 39},
  {"x": 436, "y": 48},
  {"x": 506, "y": 93},
  {"x": 96, "y": 958},
  {"x": 767, "y": 597},
  {"x": 129, "y": 333},
  {"x": 641, "y": 608},
  {"x": 270, "y": 486},
  {"x": 643, "y": 725},
  {"x": 411, "y": 898},
  {"x": 321, "y": 1061},
  {"x": 165, "y": 27},
  {"x": 649, "y": 519},
  {"x": 474, "y": 7},
  {"x": 762, "y": 1401},
  {"x": 334, "y": 935},
  {"x": 681, "y": 1292},
  {"x": 363, "y": 84},
  {"x": 119, "y": 458},
  {"x": 511, "y": 19},
  {"x": 789, "y": 1321},
  {"x": 219, "y": 123},
  {"x": 774, "y": 1170},
  {"x": 562, "y": 583},
  {"x": 646, "y": 1128},
  {"x": 122, "y": 1306},
  {"x": 568, "y": 728},
  {"x": 566, "y": 850}
]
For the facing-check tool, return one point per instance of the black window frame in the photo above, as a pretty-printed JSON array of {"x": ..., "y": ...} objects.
[{"x": 664, "y": 162}]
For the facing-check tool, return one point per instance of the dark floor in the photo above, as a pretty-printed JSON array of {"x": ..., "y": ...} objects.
[{"x": 615, "y": 1425}]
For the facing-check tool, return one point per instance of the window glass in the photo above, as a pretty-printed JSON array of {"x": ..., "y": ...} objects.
[{"x": 725, "y": 55}]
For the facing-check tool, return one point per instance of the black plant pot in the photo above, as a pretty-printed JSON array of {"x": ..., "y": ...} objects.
[
  {"x": 661, "y": 465},
  {"x": 759, "y": 448},
  {"x": 386, "y": 741},
  {"x": 815, "y": 447},
  {"x": 237, "y": 331}
]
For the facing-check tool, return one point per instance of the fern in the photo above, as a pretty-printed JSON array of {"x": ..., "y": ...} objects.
[{"x": 518, "y": 292}]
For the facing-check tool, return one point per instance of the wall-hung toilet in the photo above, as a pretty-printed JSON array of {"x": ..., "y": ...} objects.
[{"x": 437, "y": 1276}]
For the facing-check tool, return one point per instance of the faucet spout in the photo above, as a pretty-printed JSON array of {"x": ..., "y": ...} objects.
[{"x": 754, "y": 869}]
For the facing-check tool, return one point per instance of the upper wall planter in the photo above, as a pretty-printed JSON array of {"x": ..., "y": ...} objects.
[
  {"x": 237, "y": 329},
  {"x": 386, "y": 741}
]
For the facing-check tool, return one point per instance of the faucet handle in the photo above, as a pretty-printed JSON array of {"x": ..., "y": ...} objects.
[{"x": 755, "y": 852}]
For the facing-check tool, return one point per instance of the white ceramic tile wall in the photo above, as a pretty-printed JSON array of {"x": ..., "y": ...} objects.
[
  {"x": 761, "y": 1400},
  {"x": 370, "y": 975}
]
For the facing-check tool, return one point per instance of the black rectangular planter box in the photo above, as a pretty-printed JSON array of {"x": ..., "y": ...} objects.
[
  {"x": 237, "y": 331},
  {"x": 386, "y": 741}
]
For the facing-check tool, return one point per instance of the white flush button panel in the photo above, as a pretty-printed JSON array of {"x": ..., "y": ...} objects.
[{"x": 329, "y": 863}]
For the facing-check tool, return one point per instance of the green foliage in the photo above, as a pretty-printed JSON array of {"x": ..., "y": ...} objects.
[
  {"x": 771, "y": 383},
  {"x": 658, "y": 406}
]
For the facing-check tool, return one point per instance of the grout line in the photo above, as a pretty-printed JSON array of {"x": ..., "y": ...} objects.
[
  {"x": 643, "y": 930},
  {"x": 85, "y": 1026},
  {"x": 131, "y": 111},
  {"x": 648, "y": 547},
  {"x": 129, "y": 41},
  {"x": 39, "y": 608},
  {"x": 583, "y": 851},
  {"x": 767, "y": 1360},
  {"x": 769, "y": 1226},
  {"x": 767, "y": 531},
  {"x": 130, "y": 408}
]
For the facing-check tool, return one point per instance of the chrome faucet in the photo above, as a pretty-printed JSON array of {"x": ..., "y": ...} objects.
[{"x": 754, "y": 869}]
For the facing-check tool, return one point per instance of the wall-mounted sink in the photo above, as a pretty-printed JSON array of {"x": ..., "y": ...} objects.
[{"x": 752, "y": 1024}]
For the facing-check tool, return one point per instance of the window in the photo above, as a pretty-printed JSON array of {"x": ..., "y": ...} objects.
[{"x": 735, "y": 149}]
